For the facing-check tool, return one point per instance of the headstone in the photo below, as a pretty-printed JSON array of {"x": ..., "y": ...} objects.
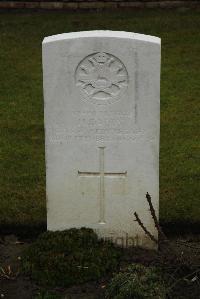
[{"x": 101, "y": 93}]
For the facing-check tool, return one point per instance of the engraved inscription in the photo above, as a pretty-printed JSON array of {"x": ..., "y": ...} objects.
[
  {"x": 101, "y": 78},
  {"x": 98, "y": 126},
  {"x": 102, "y": 174}
]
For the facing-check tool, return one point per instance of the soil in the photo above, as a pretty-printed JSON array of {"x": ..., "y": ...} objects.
[{"x": 13, "y": 285}]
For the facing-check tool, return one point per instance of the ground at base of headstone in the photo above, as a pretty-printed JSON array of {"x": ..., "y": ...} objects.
[{"x": 184, "y": 268}]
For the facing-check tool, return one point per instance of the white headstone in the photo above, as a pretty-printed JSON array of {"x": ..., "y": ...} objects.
[{"x": 102, "y": 94}]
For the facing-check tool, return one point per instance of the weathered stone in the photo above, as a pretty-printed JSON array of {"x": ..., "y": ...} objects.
[{"x": 101, "y": 91}]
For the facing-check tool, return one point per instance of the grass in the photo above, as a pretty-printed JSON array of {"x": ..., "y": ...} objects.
[
  {"x": 70, "y": 257},
  {"x": 22, "y": 185},
  {"x": 137, "y": 281}
]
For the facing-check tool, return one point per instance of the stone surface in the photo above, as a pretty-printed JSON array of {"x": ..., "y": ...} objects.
[{"x": 101, "y": 93}]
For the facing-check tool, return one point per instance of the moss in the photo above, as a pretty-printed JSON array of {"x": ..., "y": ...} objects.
[
  {"x": 137, "y": 282},
  {"x": 69, "y": 257}
]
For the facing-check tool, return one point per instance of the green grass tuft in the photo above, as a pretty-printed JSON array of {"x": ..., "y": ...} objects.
[
  {"x": 136, "y": 282},
  {"x": 62, "y": 259}
]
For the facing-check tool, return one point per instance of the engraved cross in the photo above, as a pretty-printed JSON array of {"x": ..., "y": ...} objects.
[{"x": 102, "y": 174}]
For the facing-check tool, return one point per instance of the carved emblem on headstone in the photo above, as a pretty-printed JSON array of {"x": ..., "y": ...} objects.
[{"x": 101, "y": 78}]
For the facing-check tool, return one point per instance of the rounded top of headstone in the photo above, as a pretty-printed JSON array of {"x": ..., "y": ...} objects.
[{"x": 102, "y": 34}]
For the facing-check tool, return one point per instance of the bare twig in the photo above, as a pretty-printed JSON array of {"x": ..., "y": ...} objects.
[
  {"x": 145, "y": 229},
  {"x": 155, "y": 219},
  {"x": 173, "y": 256}
]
